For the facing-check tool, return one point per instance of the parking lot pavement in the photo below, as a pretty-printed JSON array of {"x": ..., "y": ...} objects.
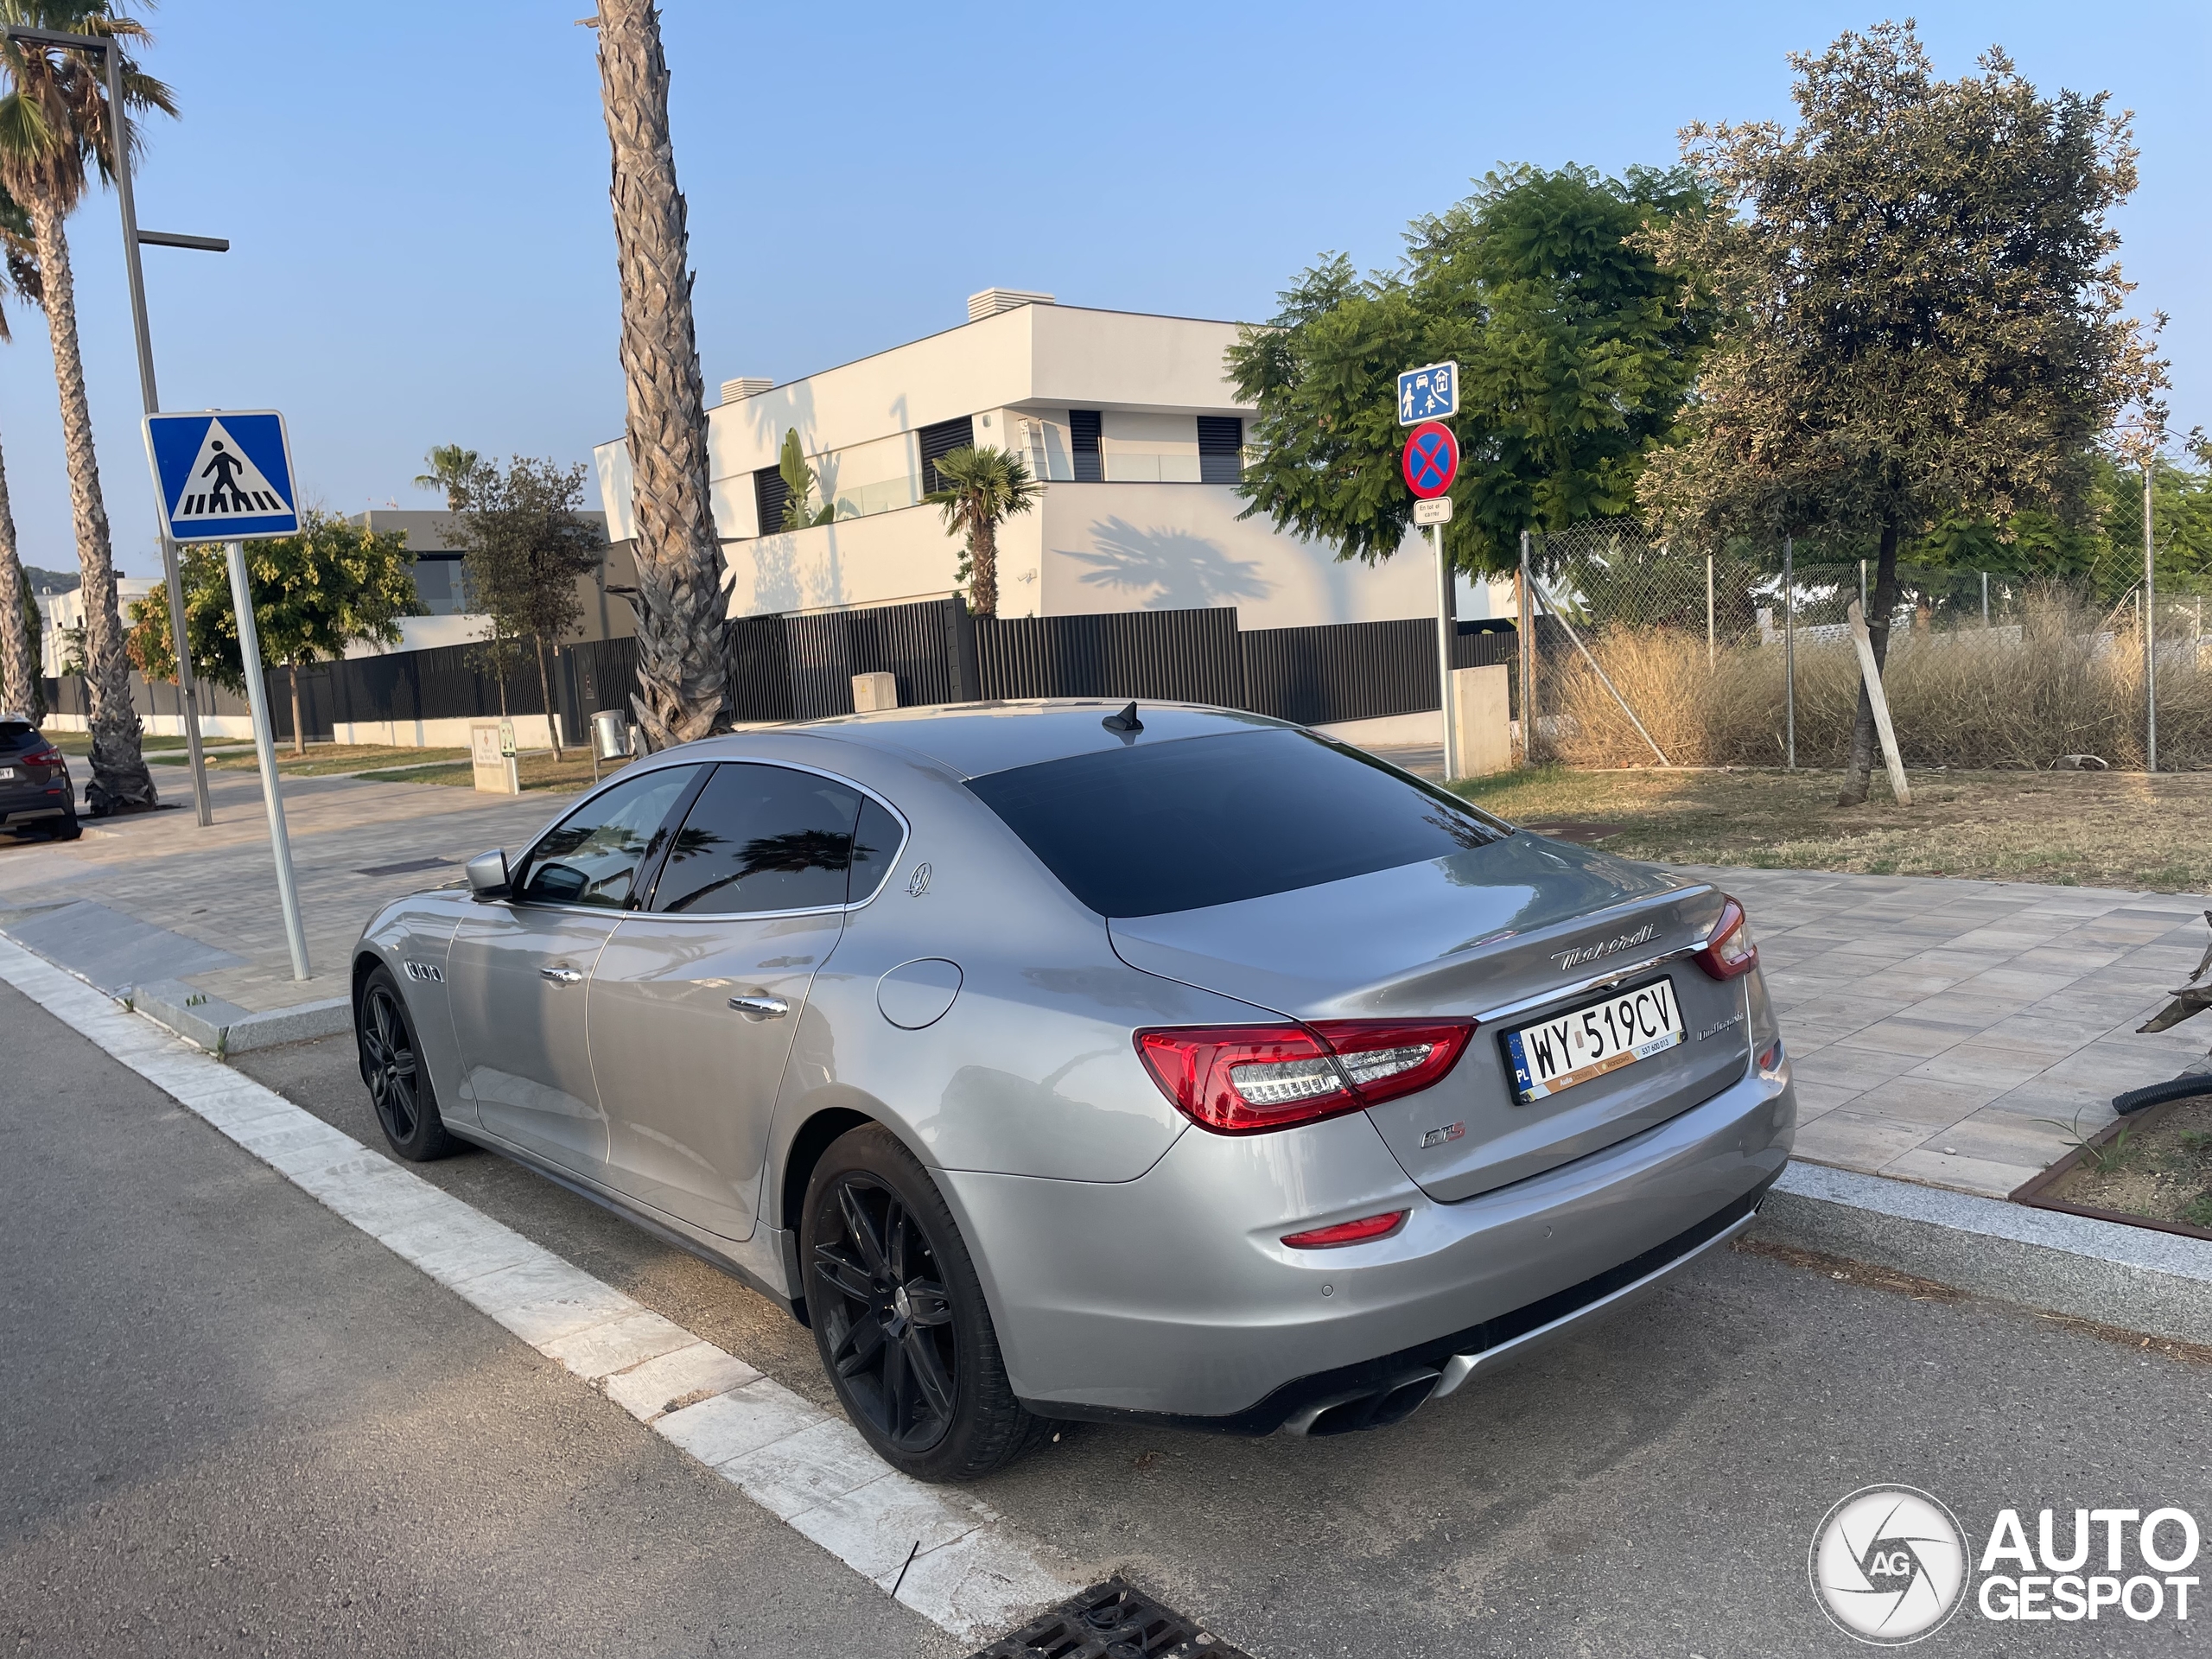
[
  {"x": 230, "y": 1423},
  {"x": 159, "y": 897},
  {"x": 1650, "y": 1488}
]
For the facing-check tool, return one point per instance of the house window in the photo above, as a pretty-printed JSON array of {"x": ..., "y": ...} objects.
[
  {"x": 1221, "y": 449},
  {"x": 1083, "y": 445},
  {"x": 771, "y": 495},
  {"x": 942, "y": 440}
]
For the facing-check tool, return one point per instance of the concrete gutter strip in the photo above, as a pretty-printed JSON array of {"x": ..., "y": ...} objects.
[
  {"x": 2135, "y": 1277},
  {"x": 223, "y": 1027}
]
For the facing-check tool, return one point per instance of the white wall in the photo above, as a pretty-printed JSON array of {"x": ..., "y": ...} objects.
[
  {"x": 1130, "y": 547},
  {"x": 889, "y": 559}
]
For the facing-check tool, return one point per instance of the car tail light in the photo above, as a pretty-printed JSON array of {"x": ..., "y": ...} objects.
[
  {"x": 1346, "y": 1232},
  {"x": 1246, "y": 1079},
  {"x": 1728, "y": 950},
  {"x": 48, "y": 756}
]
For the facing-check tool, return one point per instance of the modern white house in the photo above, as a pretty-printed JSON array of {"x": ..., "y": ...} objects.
[{"x": 1127, "y": 419}]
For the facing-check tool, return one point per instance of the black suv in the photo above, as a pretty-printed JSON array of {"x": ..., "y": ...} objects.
[{"x": 35, "y": 793}]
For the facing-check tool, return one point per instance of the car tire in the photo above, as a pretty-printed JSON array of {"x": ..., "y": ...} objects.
[
  {"x": 392, "y": 1066},
  {"x": 68, "y": 829},
  {"x": 899, "y": 1318}
]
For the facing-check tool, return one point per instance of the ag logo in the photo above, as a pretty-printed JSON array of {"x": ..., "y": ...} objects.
[{"x": 1889, "y": 1565}]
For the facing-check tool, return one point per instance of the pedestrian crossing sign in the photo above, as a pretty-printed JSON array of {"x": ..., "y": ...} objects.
[{"x": 222, "y": 475}]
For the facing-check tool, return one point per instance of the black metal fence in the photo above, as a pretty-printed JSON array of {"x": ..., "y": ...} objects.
[{"x": 802, "y": 668}]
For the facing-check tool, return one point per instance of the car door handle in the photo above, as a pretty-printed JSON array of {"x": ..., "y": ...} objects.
[
  {"x": 755, "y": 1006},
  {"x": 560, "y": 975}
]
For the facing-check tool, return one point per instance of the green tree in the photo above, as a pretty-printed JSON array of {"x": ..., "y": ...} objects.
[
  {"x": 34, "y": 625},
  {"x": 980, "y": 490},
  {"x": 1576, "y": 345},
  {"x": 332, "y": 586},
  {"x": 55, "y": 121},
  {"x": 450, "y": 465},
  {"x": 1926, "y": 312},
  {"x": 683, "y": 674},
  {"x": 799, "y": 484},
  {"x": 525, "y": 542}
]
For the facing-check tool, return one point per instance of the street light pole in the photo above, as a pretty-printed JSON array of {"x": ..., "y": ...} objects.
[{"x": 173, "y": 577}]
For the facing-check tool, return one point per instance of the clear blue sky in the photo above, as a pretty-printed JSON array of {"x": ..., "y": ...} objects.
[{"x": 416, "y": 193}]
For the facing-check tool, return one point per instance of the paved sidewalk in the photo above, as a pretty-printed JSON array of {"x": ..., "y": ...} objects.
[
  {"x": 145, "y": 900},
  {"x": 1957, "y": 1032},
  {"x": 1950, "y": 1031}
]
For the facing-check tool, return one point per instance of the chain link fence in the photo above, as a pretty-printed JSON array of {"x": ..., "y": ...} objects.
[{"x": 1733, "y": 660}]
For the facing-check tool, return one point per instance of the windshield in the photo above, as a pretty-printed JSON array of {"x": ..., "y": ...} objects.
[{"x": 1159, "y": 827}]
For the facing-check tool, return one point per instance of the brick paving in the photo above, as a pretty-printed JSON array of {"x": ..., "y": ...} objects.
[{"x": 1943, "y": 1030}]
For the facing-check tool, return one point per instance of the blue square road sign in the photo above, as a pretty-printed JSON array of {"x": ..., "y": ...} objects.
[
  {"x": 222, "y": 475},
  {"x": 1431, "y": 393}
]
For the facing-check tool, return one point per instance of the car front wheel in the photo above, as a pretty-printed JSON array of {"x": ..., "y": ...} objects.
[
  {"x": 392, "y": 1066},
  {"x": 898, "y": 1316}
]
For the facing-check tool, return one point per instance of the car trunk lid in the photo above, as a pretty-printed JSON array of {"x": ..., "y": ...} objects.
[{"x": 1511, "y": 932}]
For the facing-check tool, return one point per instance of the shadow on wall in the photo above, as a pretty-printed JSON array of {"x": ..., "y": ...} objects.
[{"x": 1181, "y": 571}]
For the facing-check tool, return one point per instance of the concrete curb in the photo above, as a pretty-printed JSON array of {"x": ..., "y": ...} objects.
[
  {"x": 223, "y": 1027},
  {"x": 2135, "y": 1277}
]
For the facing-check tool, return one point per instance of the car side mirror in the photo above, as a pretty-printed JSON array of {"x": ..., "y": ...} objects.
[{"x": 488, "y": 874}]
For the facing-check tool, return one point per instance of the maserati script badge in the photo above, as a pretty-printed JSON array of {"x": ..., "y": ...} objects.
[{"x": 1604, "y": 947}]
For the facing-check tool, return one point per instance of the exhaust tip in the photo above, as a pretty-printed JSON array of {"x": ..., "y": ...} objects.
[{"x": 1377, "y": 1408}]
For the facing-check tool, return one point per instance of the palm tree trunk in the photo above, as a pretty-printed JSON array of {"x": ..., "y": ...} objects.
[
  {"x": 682, "y": 675},
  {"x": 120, "y": 781},
  {"x": 18, "y": 669},
  {"x": 984, "y": 575},
  {"x": 1860, "y": 771},
  {"x": 545, "y": 691},
  {"x": 299, "y": 732}
]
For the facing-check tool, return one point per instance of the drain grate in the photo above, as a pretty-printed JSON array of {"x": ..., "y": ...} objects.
[
  {"x": 408, "y": 868},
  {"x": 1113, "y": 1620}
]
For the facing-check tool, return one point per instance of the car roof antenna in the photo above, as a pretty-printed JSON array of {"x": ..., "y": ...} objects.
[{"x": 1126, "y": 723}]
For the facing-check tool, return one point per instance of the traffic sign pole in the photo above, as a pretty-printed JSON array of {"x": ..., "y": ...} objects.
[
  {"x": 264, "y": 747},
  {"x": 1447, "y": 632}
]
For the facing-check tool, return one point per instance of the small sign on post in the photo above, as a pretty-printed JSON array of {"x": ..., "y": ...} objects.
[
  {"x": 225, "y": 476},
  {"x": 491, "y": 756}
]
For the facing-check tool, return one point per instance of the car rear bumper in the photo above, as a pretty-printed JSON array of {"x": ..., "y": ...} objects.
[{"x": 1172, "y": 1298}]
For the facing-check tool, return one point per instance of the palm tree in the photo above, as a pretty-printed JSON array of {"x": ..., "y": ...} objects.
[
  {"x": 450, "y": 466},
  {"x": 19, "y": 665},
  {"x": 982, "y": 488},
  {"x": 53, "y": 118},
  {"x": 682, "y": 671}
]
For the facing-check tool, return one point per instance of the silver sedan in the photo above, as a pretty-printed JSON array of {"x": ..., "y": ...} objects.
[{"x": 1055, "y": 1062}]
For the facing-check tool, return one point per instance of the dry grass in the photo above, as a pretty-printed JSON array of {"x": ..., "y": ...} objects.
[
  {"x": 1971, "y": 699},
  {"x": 2113, "y": 829},
  {"x": 536, "y": 769}
]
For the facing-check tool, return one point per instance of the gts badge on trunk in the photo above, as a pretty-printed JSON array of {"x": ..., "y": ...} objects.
[{"x": 1438, "y": 1137}]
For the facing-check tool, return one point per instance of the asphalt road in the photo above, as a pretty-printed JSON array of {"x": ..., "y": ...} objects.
[
  {"x": 215, "y": 1399},
  {"x": 230, "y": 1424}
]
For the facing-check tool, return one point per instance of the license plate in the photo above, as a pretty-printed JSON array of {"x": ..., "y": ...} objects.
[
  {"x": 1595, "y": 1039},
  {"x": 7, "y": 774}
]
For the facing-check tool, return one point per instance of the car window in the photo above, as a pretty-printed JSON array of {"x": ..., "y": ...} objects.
[
  {"x": 593, "y": 856},
  {"x": 761, "y": 838},
  {"x": 875, "y": 849},
  {"x": 1153, "y": 828}
]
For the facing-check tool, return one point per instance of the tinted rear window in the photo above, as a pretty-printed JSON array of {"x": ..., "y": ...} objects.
[{"x": 1154, "y": 828}]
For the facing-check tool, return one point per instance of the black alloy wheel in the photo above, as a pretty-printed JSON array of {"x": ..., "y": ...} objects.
[
  {"x": 899, "y": 1315},
  {"x": 391, "y": 1066},
  {"x": 888, "y": 1320}
]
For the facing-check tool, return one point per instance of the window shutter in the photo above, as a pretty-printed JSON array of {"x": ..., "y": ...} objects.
[
  {"x": 1083, "y": 445},
  {"x": 772, "y": 496},
  {"x": 942, "y": 440},
  {"x": 1221, "y": 449}
]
